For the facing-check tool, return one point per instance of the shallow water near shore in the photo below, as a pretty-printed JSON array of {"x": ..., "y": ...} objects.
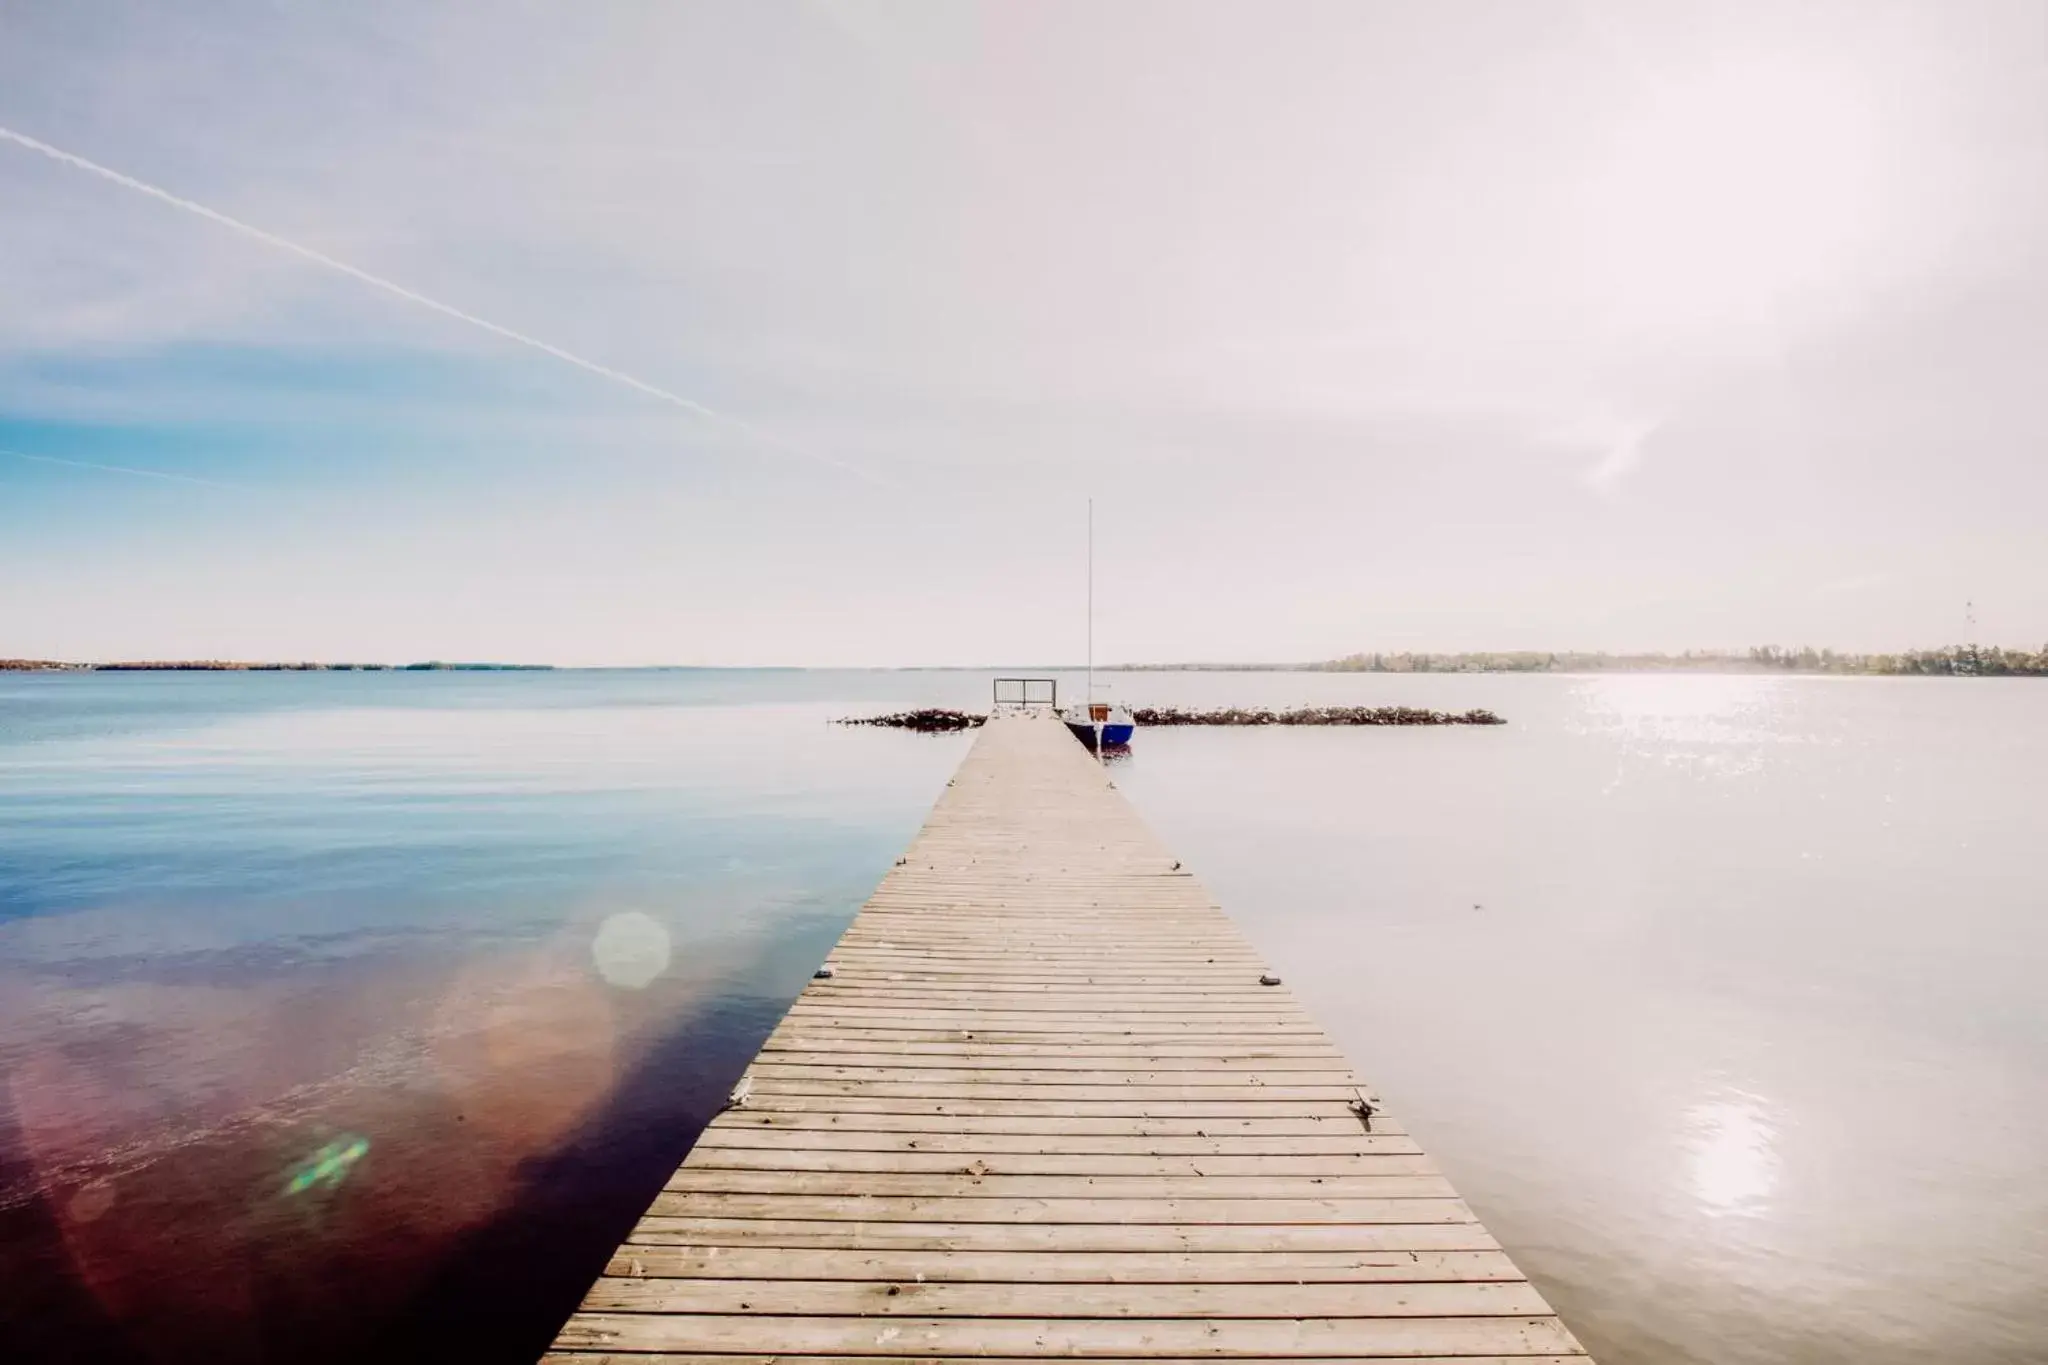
[{"x": 354, "y": 1015}]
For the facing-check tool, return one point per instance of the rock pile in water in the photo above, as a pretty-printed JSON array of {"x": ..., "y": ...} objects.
[
  {"x": 1314, "y": 715},
  {"x": 932, "y": 720},
  {"x": 937, "y": 720}
]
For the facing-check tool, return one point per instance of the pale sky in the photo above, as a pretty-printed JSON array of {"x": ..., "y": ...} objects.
[{"x": 1368, "y": 326}]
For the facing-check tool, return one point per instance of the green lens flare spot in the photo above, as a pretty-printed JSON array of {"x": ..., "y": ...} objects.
[{"x": 327, "y": 1167}]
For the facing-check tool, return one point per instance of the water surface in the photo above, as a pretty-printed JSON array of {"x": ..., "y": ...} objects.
[
  {"x": 351, "y": 1015},
  {"x": 344, "y": 1015},
  {"x": 1719, "y": 997}
]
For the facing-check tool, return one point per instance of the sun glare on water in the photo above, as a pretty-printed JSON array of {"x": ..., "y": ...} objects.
[{"x": 1730, "y": 1149}]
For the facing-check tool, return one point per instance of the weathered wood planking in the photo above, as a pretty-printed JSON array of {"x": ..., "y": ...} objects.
[{"x": 1044, "y": 1109}]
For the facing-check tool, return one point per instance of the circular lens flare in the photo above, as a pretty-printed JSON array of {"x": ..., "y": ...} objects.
[{"x": 631, "y": 949}]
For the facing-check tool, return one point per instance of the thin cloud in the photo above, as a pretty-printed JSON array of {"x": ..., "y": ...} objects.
[
  {"x": 418, "y": 299},
  {"x": 1618, "y": 441},
  {"x": 163, "y": 474},
  {"x": 1624, "y": 453}
]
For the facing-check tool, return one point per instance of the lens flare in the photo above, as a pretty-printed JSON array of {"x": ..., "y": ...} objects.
[
  {"x": 631, "y": 949},
  {"x": 329, "y": 1166},
  {"x": 524, "y": 1047},
  {"x": 91, "y": 1202}
]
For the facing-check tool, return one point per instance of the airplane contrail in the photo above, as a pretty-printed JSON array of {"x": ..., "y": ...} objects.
[
  {"x": 121, "y": 469},
  {"x": 414, "y": 297}
]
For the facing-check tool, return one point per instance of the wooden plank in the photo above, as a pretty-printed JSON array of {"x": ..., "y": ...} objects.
[
  {"x": 1251, "y": 1012},
  {"x": 1049, "y": 978},
  {"x": 701, "y": 1231},
  {"x": 1080, "y": 971},
  {"x": 964, "y": 1209},
  {"x": 637, "y": 1357},
  {"x": 1021, "y": 976},
  {"x": 1211, "y": 1006},
  {"x": 1217, "y": 1082},
  {"x": 1088, "y": 1105},
  {"x": 799, "y": 1298},
  {"x": 926, "y": 938},
  {"x": 956, "y": 1184},
  {"x": 1071, "y": 1338},
  {"x": 753, "y": 1262},
  {"x": 1043, "y": 1108},
  {"x": 783, "y": 1157},
  {"x": 1054, "y": 1034},
  {"x": 882, "y": 1070},
  {"x": 969, "y": 1010},
  {"x": 1082, "y": 1041},
  {"x": 1217, "y": 993},
  {"x": 955, "y": 946},
  {"x": 1149, "y": 1018},
  {"x": 1064, "y": 1119},
  {"x": 726, "y": 1138},
  {"x": 774, "y": 1087},
  {"x": 986, "y": 959},
  {"x": 817, "y": 1050}
]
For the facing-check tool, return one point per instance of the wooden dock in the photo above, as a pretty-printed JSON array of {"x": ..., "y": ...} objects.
[{"x": 1044, "y": 1108}]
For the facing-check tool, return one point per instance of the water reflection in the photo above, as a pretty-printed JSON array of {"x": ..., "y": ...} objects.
[
  {"x": 1730, "y": 1151},
  {"x": 346, "y": 1026},
  {"x": 215, "y": 962},
  {"x": 1712, "y": 727},
  {"x": 1681, "y": 708},
  {"x": 1637, "y": 696},
  {"x": 1786, "y": 935}
]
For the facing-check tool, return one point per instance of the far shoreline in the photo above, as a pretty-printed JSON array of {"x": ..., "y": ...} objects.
[
  {"x": 233, "y": 666},
  {"x": 1950, "y": 661}
]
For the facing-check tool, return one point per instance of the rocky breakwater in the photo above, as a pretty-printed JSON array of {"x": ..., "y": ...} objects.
[
  {"x": 937, "y": 720},
  {"x": 1313, "y": 715},
  {"x": 932, "y": 720}
]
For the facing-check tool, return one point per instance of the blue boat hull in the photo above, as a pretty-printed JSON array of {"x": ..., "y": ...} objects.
[{"x": 1113, "y": 736}]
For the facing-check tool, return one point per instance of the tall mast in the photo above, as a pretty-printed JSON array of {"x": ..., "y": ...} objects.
[{"x": 1091, "y": 603}]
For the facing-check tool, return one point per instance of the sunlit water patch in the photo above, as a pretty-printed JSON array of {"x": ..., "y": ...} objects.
[
  {"x": 1719, "y": 997},
  {"x": 1729, "y": 1149}
]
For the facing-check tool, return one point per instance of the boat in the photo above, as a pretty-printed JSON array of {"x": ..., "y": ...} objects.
[{"x": 1100, "y": 725}]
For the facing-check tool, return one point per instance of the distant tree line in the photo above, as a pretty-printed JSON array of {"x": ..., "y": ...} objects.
[{"x": 1953, "y": 661}]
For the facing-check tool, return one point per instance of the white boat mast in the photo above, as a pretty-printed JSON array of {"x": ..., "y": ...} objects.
[{"x": 1089, "y": 700}]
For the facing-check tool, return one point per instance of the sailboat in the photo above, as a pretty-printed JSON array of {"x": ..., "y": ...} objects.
[
  {"x": 1098, "y": 724},
  {"x": 1101, "y": 725}
]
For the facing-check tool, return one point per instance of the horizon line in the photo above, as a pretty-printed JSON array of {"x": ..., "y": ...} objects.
[{"x": 1743, "y": 655}]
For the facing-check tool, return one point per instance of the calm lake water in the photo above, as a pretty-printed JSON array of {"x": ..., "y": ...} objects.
[{"x": 348, "y": 1016}]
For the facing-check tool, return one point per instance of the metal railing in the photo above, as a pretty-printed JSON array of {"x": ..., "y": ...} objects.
[{"x": 1026, "y": 693}]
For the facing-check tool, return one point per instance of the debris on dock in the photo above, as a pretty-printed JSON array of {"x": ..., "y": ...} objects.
[
  {"x": 932, "y": 720},
  {"x": 1315, "y": 715}
]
